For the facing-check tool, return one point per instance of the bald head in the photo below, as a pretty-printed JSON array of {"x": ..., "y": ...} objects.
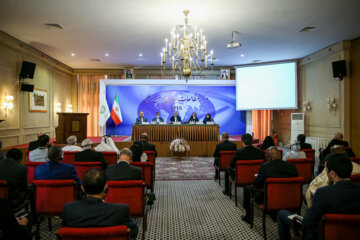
[
  {"x": 339, "y": 136},
  {"x": 273, "y": 153}
]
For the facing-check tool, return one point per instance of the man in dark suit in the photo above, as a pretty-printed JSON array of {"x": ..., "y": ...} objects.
[
  {"x": 342, "y": 197},
  {"x": 157, "y": 119},
  {"x": 123, "y": 170},
  {"x": 276, "y": 168},
  {"x": 225, "y": 145},
  {"x": 89, "y": 154},
  {"x": 141, "y": 119},
  {"x": 146, "y": 145},
  {"x": 248, "y": 152},
  {"x": 16, "y": 176},
  {"x": 175, "y": 118},
  {"x": 93, "y": 211},
  {"x": 303, "y": 145}
]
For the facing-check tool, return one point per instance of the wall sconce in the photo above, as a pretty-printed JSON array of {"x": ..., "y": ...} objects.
[
  {"x": 69, "y": 108},
  {"x": 58, "y": 107},
  {"x": 8, "y": 104},
  {"x": 332, "y": 104},
  {"x": 307, "y": 105}
]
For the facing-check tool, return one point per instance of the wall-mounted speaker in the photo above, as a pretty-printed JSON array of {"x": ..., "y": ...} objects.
[
  {"x": 25, "y": 87},
  {"x": 339, "y": 69},
  {"x": 27, "y": 70}
]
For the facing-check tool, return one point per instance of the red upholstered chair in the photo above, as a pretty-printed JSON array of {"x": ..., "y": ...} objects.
[
  {"x": 266, "y": 158},
  {"x": 244, "y": 174},
  {"x": 224, "y": 162},
  {"x": 147, "y": 173},
  {"x": 110, "y": 157},
  {"x": 304, "y": 167},
  {"x": 355, "y": 178},
  {"x": 279, "y": 193},
  {"x": 131, "y": 193},
  {"x": 4, "y": 189},
  {"x": 82, "y": 167},
  {"x": 103, "y": 233},
  {"x": 355, "y": 159},
  {"x": 339, "y": 226},
  {"x": 27, "y": 155},
  {"x": 31, "y": 171},
  {"x": 310, "y": 153},
  {"x": 50, "y": 198},
  {"x": 69, "y": 157}
]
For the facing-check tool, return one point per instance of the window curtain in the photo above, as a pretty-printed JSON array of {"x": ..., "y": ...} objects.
[{"x": 261, "y": 123}]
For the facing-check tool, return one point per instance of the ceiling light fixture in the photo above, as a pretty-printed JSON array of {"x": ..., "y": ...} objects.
[
  {"x": 73, "y": 54},
  {"x": 106, "y": 54},
  {"x": 140, "y": 54},
  {"x": 242, "y": 55},
  {"x": 186, "y": 51}
]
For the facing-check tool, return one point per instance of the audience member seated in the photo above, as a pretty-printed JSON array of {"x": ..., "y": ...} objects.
[
  {"x": 35, "y": 144},
  {"x": 123, "y": 170},
  {"x": 71, "y": 147},
  {"x": 274, "y": 168},
  {"x": 208, "y": 118},
  {"x": 16, "y": 176},
  {"x": 146, "y": 145},
  {"x": 294, "y": 152},
  {"x": 141, "y": 119},
  {"x": 1, "y": 153},
  {"x": 225, "y": 145},
  {"x": 107, "y": 145},
  {"x": 93, "y": 211},
  {"x": 337, "y": 140},
  {"x": 248, "y": 152},
  {"x": 40, "y": 154},
  {"x": 176, "y": 118},
  {"x": 193, "y": 118},
  {"x": 268, "y": 142},
  {"x": 301, "y": 139},
  {"x": 54, "y": 169},
  {"x": 138, "y": 154},
  {"x": 322, "y": 179},
  {"x": 157, "y": 119},
  {"x": 342, "y": 197},
  {"x": 89, "y": 154},
  {"x": 11, "y": 227}
]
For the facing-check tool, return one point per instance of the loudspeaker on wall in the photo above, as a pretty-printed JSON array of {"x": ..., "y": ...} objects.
[
  {"x": 339, "y": 69},
  {"x": 27, "y": 70}
]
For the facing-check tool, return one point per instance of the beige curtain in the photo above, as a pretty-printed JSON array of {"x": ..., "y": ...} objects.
[{"x": 261, "y": 123}]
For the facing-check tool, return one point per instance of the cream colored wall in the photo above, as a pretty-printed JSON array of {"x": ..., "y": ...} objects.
[
  {"x": 355, "y": 95},
  {"x": 22, "y": 126}
]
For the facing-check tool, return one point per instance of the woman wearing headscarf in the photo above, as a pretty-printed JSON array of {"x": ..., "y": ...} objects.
[
  {"x": 193, "y": 118},
  {"x": 294, "y": 152},
  {"x": 208, "y": 118},
  {"x": 107, "y": 145},
  {"x": 268, "y": 142}
]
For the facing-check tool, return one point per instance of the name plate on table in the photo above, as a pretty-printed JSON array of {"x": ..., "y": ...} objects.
[
  {"x": 210, "y": 123},
  {"x": 177, "y": 123},
  {"x": 145, "y": 123},
  {"x": 162, "y": 123},
  {"x": 199, "y": 123}
]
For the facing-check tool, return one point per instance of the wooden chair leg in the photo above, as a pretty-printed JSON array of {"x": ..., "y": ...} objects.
[
  {"x": 219, "y": 177},
  {"x": 230, "y": 189},
  {"x": 264, "y": 225},
  {"x": 236, "y": 200},
  {"x": 49, "y": 223},
  {"x": 251, "y": 214},
  {"x": 37, "y": 229}
]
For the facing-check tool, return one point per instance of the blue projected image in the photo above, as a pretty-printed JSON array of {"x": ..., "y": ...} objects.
[{"x": 219, "y": 101}]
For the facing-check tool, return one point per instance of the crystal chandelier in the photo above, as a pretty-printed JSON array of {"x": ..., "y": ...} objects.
[{"x": 186, "y": 51}]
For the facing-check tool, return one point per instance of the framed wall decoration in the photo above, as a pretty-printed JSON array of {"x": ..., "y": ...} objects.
[
  {"x": 225, "y": 73},
  {"x": 129, "y": 73},
  {"x": 38, "y": 100}
]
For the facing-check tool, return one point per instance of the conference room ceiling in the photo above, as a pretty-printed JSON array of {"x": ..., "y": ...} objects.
[{"x": 268, "y": 29}]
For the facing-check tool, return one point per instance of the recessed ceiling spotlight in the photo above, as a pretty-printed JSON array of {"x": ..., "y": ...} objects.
[
  {"x": 140, "y": 54},
  {"x": 106, "y": 54},
  {"x": 242, "y": 55},
  {"x": 73, "y": 54}
]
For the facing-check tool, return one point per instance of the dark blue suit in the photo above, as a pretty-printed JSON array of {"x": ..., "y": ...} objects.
[
  {"x": 54, "y": 170},
  {"x": 160, "y": 119},
  {"x": 138, "y": 120}
]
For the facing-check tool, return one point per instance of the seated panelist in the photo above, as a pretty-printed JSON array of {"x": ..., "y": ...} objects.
[
  {"x": 175, "y": 118},
  {"x": 157, "y": 119},
  {"x": 193, "y": 118},
  {"x": 141, "y": 119},
  {"x": 208, "y": 118}
]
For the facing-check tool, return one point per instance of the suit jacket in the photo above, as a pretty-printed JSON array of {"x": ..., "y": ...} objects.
[
  {"x": 149, "y": 147},
  {"x": 178, "y": 119},
  {"x": 90, "y": 155},
  {"x": 305, "y": 146},
  {"x": 94, "y": 212},
  {"x": 247, "y": 153},
  {"x": 123, "y": 171},
  {"x": 342, "y": 197},
  {"x": 205, "y": 120},
  {"x": 191, "y": 119},
  {"x": 226, "y": 145},
  {"x": 155, "y": 119},
  {"x": 54, "y": 170},
  {"x": 1, "y": 155},
  {"x": 138, "y": 120},
  {"x": 33, "y": 145},
  {"x": 277, "y": 169}
]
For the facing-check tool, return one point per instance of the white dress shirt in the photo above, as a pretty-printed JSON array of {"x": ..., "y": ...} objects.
[
  {"x": 72, "y": 148},
  {"x": 39, "y": 155}
]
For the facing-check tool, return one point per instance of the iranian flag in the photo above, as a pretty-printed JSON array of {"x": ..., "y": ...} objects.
[{"x": 116, "y": 112}]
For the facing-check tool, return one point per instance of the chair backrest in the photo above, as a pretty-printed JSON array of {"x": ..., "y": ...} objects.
[
  {"x": 69, "y": 157},
  {"x": 283, "y": 193},
  {"x": 266, "y": 157},
  {"x": 225, "y": 159},
  {"x": 355, "y": 159},
  {"x": 52, "y": 195},
  {"x": 27, "y": 155},
  {"x": 4, "y": 189},
  {"x": 147, "y": 168},
  {"x": 110, "y": 157},
  {"x": 310, "y": 153},
  {"x": 82, "y": 167},
  {"x": 246, "y": 170},
  {"x": 339, "y": 226},
  {"x": 104, "y": 233},
  {"x": 150, "y": 156},
  {"x": 304, "y": 167},
  {"x": 128, "y": 192},
  {"x": 355, "y": 178},
  {"x": 31, "y": 171}
]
